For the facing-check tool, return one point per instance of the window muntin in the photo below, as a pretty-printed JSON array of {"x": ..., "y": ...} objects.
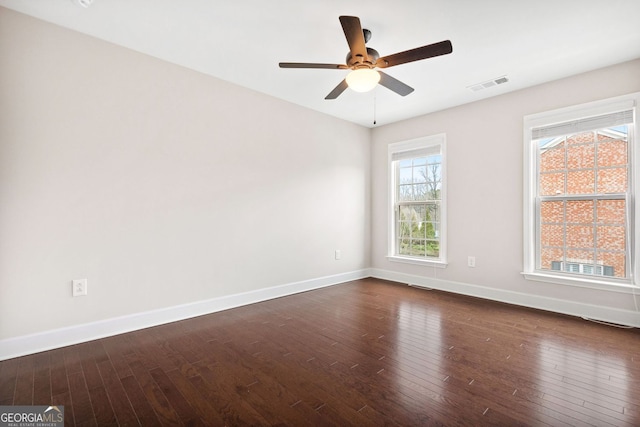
[{"x": 417, "y": 200}]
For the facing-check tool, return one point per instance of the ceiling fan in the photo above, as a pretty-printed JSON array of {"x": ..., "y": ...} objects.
[{"x": 364, "y": 60}]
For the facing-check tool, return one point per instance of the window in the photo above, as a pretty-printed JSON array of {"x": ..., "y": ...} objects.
[
  {"x": 579, "y": 204},
  {"x": 417, "y": 208}
]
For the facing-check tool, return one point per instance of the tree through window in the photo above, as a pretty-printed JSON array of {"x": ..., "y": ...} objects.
[{"x": 417, "y": 177}]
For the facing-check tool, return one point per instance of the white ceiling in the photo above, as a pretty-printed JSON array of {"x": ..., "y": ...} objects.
[{"x": 242, "y": 41}]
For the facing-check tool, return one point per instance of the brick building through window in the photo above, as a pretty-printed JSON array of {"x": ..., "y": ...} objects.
[{"x": 583, "y": 181}]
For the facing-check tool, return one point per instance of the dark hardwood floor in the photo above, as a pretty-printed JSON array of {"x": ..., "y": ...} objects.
[{"x": 367, "y": 352}]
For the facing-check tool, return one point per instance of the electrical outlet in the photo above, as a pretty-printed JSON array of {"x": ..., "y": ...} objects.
[
  {"x": 471, "y": 261},
  {"x": 79, "y": 287},
  {"x": 338, "y": 254}
]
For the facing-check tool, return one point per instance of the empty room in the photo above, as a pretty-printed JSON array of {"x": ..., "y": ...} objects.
[{"x": 319, "y": 213}]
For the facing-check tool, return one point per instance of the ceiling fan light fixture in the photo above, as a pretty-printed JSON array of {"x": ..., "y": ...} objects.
[{"x": 363, "y": 79}]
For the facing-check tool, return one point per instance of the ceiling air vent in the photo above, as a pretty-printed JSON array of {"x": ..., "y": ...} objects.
[
  {"x": 488, "y": 83},
  {"x": 82, "y": 3}
]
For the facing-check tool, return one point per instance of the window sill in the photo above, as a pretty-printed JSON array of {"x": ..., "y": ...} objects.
[
  {"x": 615, "y": 286},
  {"x": 416, "y": 261}
]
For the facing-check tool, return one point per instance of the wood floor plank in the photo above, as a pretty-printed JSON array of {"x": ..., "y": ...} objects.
[
  {"x": 300, "y": 385},
  {"x": 23, "y": 394},
  {"x": 144, "y": 412},
  {"x": 200, "y": 405},
  {"x": 183, "y": 408},
  {"x": 101, "y": 407},
  {"x": 58, "y": 372},
  {"x": 116, "y": 348},
  {"x": 230, "y": 407},
  {"x": 42, "y": 385},
  {"x": 81, "y": 401},
  {"x": 8, "y": 378},
  {"x": 117, "y": 396},
  {"x": 154, "y": 396},
  {"x": 64, "y": 399},
  {"x": 367, "y": 352}
]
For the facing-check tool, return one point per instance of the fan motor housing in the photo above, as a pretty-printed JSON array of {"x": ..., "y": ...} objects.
[{"x": 358, "y": 61}]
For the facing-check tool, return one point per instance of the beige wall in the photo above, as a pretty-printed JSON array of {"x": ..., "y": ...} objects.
[
  {"x": 160, "y": 185},
  {"x": 485, "y": 188}
]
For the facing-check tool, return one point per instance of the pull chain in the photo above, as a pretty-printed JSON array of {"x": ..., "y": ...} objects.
[{"x": 374, "y": 107}]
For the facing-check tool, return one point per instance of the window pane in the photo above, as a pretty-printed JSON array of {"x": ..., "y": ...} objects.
[
  {"x": 406, "y": 175},
  {"x": 432, "y": 213},
  {"x": 614, "y": 260},
  {"x": 611, "y": 237},
  {"x": 405, "y": 192},
  {"x": 421, "y": 247},
  {"x": 581, "y": 156},
  {"x": 580, "y": 211},
  {"x": 611, "y": 212},
  {"x": 434, "y": 190},
  {"x": 403, "y": 247},
  {"x": 580, "y": 182},
  {"x": 612, "y": 153},
  {"x": 420, "y": 191},
  {"x": 413, "y": 247},
  {"x": 418, "y": 230},
  {"x": 552, "y": 184},
  {"x": 579, "y": 236},
  {"x": 552, "y": 235},
  {"x": 549, "y": 256},
  {"x": 552, "y": 211},
  {"x": 420, "y": 174},
  {"x": 434, "y": 159},
  {"x": 552, "y": 157},
  {"x": 433, "y": 248},
  {"x": 612, "y": 180}
]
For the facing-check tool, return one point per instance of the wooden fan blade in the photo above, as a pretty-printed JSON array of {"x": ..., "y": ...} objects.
[
  {"x": 338, "y": 90},
  {"x": 442, "y": 48},
  {"x": 355, "y": 37},
  {"x": 394, "y": 84},
  {"x": 312, "y": 65}
]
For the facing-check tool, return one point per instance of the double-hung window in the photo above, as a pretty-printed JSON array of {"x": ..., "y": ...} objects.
[
  {"x": 417, "y": 209},
  {"x": 579, "y": 193}
]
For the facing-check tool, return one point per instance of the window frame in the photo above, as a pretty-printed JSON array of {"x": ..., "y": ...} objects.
[
  {"x": 530, "y": 209},
  {"x": 406, "y": 147}
]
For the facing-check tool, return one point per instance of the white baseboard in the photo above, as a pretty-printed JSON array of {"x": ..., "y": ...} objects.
[
  {"x": 29, "y": 344},
  {"x": 605, "y": 314}
]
